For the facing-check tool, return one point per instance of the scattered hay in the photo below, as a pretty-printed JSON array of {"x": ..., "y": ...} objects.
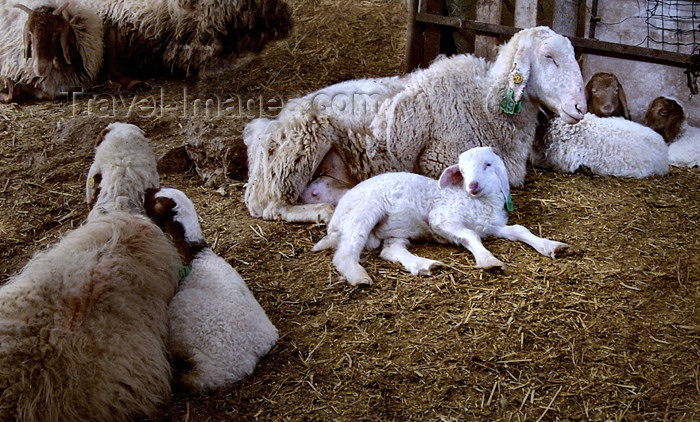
[{"x": 609, "y": 332}]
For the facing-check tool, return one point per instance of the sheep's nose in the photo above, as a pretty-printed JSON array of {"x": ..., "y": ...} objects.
[
  {"x": 581, "y": 108},
  {"x": 474, "y": 188}
]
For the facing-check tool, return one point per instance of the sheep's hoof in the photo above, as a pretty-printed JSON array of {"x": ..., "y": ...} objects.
[
  {"x": 424, "y": 267},
  {"x": 492, "y": 264},
  {"x": 559, "y": 249},
  {"x": 360, "y": 281}
]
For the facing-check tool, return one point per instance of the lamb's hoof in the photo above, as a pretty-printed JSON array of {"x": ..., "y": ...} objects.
[
  {"x": 424, "y": 267},
  {"x": 360, "y": 281},
  {"x": 492, "y": 264},
  {"x": 559, "y": 250}
]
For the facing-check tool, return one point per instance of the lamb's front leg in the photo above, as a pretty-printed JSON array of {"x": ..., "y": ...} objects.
[
  {"x": 457, "y": 233},
  {"x": 520, "y": 233},
  {"x": 395, "y": 250}
]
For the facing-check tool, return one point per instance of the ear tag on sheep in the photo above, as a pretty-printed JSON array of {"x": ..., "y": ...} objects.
[
  {"x": 183, "y": 272},
  {"x": 91, "y": 183},
  {"x": 509, "y": 105},
  {"x": 509, "y": 204}
]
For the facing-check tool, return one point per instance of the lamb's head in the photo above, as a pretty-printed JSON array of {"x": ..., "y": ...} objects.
[
  {"x": 174, "y": 213},
  {"x": 123, "y": 169},
  {"x": 49, "y": 39},
  {"x": 541, "y": 66},
  {"x": 665, "y": 115},
  {"x": 480, "y": 171},
  {"x": 605, "y": 96}
]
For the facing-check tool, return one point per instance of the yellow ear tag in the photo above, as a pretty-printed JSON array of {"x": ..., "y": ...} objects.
[
  {"x": 517, "y": 78},
  {"x": 91, "y": 183}
]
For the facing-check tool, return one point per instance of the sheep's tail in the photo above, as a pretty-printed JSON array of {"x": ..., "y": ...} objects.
[{"x": 330, "y": 241}]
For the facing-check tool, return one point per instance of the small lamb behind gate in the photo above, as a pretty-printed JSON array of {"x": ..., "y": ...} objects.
[
  {"x": 666, "y": 116},
  {"x": 467, "y": 203},
  {"x": 217, "y": 328}
]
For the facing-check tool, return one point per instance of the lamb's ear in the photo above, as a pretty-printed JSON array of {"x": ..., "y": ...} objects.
[
  {"x": 622, "y": 97},
  {"x": 502, "y": 175},
  {"x": 450, "y": 176}
]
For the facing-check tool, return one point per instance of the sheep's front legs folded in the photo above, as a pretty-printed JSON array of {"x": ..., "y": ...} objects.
[
  {"x": 457, "y": 233},
  {"x": 320, "y": 213},
  {"x": 544, "y": 246},
  {"x": 395, "y": 250}
]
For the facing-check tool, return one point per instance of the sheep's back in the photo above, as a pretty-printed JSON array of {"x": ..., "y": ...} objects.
[
  {"x": 83, "y": 326},
  {"x": 610, "y": 146},
  {"x": 217, "y": 325}
]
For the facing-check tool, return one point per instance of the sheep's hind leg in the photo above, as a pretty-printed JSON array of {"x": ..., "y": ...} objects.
[
  {"x": 544, "y": 246},
  {"x": 306, "y": 213},
  {"x": 395, "y": 250},
  {"x": 347, "y": 259}
]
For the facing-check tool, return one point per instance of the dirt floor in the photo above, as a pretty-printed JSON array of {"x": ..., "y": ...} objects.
[{"x": 609, "y": 332}]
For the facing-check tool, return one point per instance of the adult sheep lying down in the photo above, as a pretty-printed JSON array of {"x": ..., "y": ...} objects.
[
  {"x": 83, "y": 326},
  {"x": 418, "y": 123}
]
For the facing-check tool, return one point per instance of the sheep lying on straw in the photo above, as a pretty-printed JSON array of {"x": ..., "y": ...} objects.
[
  {"x": 83, "y": 326},
  {"x": 48, "y": 48},
  {"x": 418, "y": 123},
  {"x": 607, "y": 146},
  {"x": 151, "y": 38},
  {"x": 218, "y": 331},
  {"x": 666, "y": 116}
]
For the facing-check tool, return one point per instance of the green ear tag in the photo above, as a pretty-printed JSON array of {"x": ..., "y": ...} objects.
[
  {"x": 509, "y": 105},
  {"x": 183, "y": 272},
  {"x": 509, "y": 204}
]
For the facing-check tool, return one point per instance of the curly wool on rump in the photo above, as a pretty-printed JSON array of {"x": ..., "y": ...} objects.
[
  {"x": 417, "y": 123},
  {"x": 87, "y": 35},
  {"x": 607, "y": 146}
]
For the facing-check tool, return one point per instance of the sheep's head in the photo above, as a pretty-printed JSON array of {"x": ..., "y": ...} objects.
[
  {"x": 480, "y": 171},
  {"x": 544, "y": 68},
  {"x": 605, "y": 96},
  {"x": 123, "y": 169},
  {"x": 665, "y": 116},
  {"x": 174, "y": 213},
  {"x": 49, "y": 39}
]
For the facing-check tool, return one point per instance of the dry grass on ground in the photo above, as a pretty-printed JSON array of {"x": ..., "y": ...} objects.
[{"x": 609, "y": 332}]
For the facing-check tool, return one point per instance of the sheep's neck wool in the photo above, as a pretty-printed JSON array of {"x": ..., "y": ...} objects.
[
  {"x": 509, "y": 204},
  {"x": 509, "y": 105}
]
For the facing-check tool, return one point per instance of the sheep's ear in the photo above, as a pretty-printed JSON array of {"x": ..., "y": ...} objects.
[
  {"x": 450, "y": 176},
  {"x": 27, "y": 44},
  {"x": 673, "y": 126},
  {"x": 101, "y": 137},
  {"x": 589, "y": 89},
  {"x": 622, "y": 97},
  {"x": 65, "y": 42},
  {"x": 520, "y": 72},
  {"x": 502, "y": 175},
  {"x": 92, "y": 188}
]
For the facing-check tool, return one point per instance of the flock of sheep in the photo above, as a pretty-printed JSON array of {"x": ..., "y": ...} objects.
[{"x": 94, "y": 327}]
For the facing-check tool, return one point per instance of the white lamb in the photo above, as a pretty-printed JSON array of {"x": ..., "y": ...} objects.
[
  {"x": 83, "y": 326},
  {"x": 418, "y": 123},
  {"x": 666, "y": 116},
  {"x": 466, "y": 204},
  {"x": 607, "y": 146},
  {"x": 218, "y": 331}
]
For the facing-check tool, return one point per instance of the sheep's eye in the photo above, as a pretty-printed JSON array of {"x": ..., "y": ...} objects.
[
  {"x": 595, "y": 91},
  {"x": 663, "y": 113},
  {"x": 488, "y": 164},
  {"x": 547, "y": 56}
]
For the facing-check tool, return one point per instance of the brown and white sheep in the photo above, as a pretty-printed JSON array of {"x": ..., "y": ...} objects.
[
  {"x": 83, "y": 326},
  {"x": 48, "y": 48},
  {"x": 606, "y": 97},
  {"x": 667, "y": 117}
]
